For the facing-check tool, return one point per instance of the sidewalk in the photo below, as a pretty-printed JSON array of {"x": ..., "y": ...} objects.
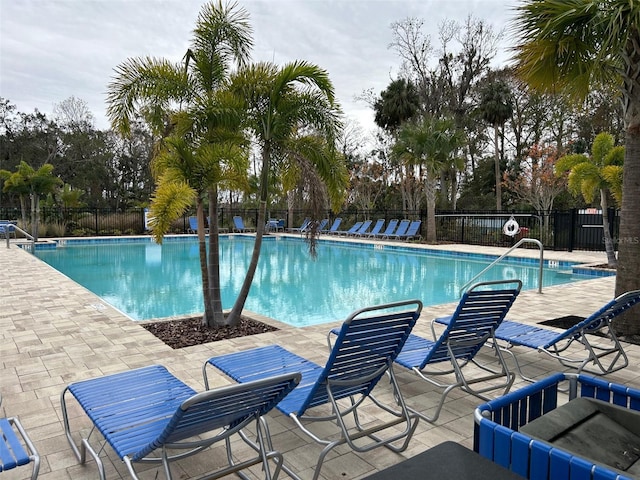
[{"x": 53, "y": 332}]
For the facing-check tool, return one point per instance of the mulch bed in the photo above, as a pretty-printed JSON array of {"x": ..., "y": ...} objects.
[{"x": 191, "y": 331}]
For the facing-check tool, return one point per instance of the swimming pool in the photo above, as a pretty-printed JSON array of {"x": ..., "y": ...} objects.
[{"x": 146, "y": 281}]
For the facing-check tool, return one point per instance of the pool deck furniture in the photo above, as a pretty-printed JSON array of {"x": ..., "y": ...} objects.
[
  {"x": 599, "y": 356},
  {"x": 508, "y": 430},
  {"x": 334, "y": 226},
  {"x": 147, "y": 415},
  {"x": 377, "y": 227},
  {"x": 274, "y": 225},
  {"x": 302, "y": 227},
  {"x": 354, "y": 228},
  {"x": 446, "y": 461},
  {"x": 16, "y": 448},
  {"x": 7, "y": 228},
  {"x": 362, "y": 230},
  {"x": 412, "y": 232},
  {"x": 480, "y": 311},
  {"x": 391, "y": 227},
  {"x": 239, "y": 226},
  {"x": 363, "y": 353},
  {"x": 403, "y": 226}
]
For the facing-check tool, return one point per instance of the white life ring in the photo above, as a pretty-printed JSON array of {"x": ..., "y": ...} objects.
[{"x": 511, "y": 228}]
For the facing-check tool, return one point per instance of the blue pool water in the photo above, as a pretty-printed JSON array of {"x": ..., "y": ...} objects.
[{"x": 146, "y": 280}]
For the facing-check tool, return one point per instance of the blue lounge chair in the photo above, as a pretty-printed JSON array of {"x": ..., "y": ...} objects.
[
  {"x": 556, "y": 344},
  {"x": 193, "y": 226},
  {"x": 403, "y": 226},
  {"x": 149, "y": 416},
  {"x": 351, "y": 231},
  {"x": 16, "y": 448},
  {"x": 302, "y": 227},
  {"x": 238, "y": 225},
  {"x": 7, "y": 228},
  {"x": 362, "y": 230},
  {"x": 391, "y": 228},
  {"x": 376, "y": 228},
  {"x": 411, "y": 233},
  {"x": 480, "y": 311},
  {"x": 363, "y": 353},
  {"x": 334, "y": 227},
  {"x": 322, "y": 225}
]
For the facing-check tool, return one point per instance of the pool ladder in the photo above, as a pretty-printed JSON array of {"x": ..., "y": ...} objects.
[
  {"x": 15, "y": 228},
  {"x": 501, "y": 257}
]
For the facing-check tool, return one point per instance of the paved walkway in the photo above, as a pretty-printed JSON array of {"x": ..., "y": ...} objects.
[{"x": 53, "y": 331}]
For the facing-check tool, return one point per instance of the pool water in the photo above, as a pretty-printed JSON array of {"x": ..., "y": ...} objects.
[{"x": 146, "y": 281}]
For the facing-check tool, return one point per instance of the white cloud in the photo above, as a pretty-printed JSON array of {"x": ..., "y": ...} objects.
[{"x": 51, "y": 50}]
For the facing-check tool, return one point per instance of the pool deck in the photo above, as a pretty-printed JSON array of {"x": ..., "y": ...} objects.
[{"x": 54, "y": 332}]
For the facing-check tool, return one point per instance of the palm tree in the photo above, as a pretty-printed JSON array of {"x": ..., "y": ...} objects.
[
  {"x": 29, "y": 182},
  {"x": 496, "y": 107},
  {"x": 600, "y": 174},
  {"x": 185, "y": 104},
  {"x": 398, "y": 103},
  {"x": 429, "y": 144},
  {"x": 283, "y": 104},
  {"x": 576, "y": 44}
]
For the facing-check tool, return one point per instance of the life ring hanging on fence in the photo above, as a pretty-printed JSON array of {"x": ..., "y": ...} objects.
[{"x": 511, "y": 228}]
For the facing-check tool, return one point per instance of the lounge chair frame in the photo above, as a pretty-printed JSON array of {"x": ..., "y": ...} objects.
[
  {"x": 363, "y": 352},
  {"x": 391, "y": 227},
  {"x": 16, "y": 448},
  {"x": 304, "y": 226},
  {"x": 334, "y": 227},
  {"x": 239, "y": 226},
  {"x": 147, "y": 414},
  {"x": 480, "y": 311},
  {"x": 600, "y": 356},
  {"x": 401, "y": 229},
  {"x": 362, "y": 230}
]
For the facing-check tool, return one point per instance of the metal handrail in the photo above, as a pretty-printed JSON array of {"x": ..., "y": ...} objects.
[
  {"x": 17, "y": 228},
  {"x": 497, "y": 260}
]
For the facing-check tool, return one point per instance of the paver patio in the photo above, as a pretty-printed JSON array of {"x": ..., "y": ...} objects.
[{"x": 53, "y": 332}]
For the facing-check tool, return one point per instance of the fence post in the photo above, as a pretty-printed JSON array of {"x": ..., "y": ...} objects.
[{"x": 572, "y": 228}]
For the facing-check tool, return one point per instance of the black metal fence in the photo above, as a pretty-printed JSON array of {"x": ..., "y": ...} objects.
[{"x": 578, "y": 229}]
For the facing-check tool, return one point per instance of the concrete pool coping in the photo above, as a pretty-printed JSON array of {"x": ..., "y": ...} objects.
[{"x": 55, "y": 331}]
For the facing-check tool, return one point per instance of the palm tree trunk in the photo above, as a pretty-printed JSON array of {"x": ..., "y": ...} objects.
[
  {"x": 213, "y": 267},
  {"x": 238, "y": 306},
  {"x": 430, "y": 186},
  {"x": 627, "y": 277},
  {"x": 496, "y": 145},
  {"x": 207, "y": 318},
  {"x": 608, "y": 241}
]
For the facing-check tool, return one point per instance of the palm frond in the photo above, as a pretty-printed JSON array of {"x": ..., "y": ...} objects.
[
  {"x": 144, "y": 81},
  {"x": 170, "y": 200}
]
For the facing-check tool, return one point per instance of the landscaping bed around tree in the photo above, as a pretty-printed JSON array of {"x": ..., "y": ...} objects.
[{"x": 190, "y": 331}]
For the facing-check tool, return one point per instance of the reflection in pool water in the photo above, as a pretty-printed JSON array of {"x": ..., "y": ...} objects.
[{"x": 145, "y": 280}]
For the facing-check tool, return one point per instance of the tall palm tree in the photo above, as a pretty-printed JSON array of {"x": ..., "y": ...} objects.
[
  {"x": 282, "y": 104},
  {"x": 598, "y": 175},
  {"x": 184, "y": 103},
  {"x": 573, "y": 45},
  {"x": 496, "y": 107},
  {"x": 430, "y": 144},
  {"x": 398, "y": 103}
]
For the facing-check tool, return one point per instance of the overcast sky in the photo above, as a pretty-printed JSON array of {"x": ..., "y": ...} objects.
[{"x": 51, "y": 50}]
